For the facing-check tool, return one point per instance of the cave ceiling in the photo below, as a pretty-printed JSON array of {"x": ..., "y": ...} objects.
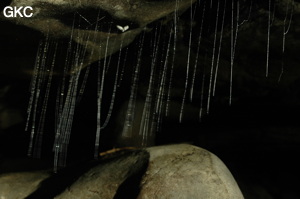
[{"x": 20, "y": 38}]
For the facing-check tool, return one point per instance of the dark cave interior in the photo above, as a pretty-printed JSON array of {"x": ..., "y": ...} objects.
[{"x": 257, "y": 136}]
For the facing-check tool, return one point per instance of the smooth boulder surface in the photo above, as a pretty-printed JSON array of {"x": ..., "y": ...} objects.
[
  {"x": 180, "y": 171},
  {"x": 185, "y": 171},
  {"x": 108, "y": 180},
  {"x": 20, "y": 185}
]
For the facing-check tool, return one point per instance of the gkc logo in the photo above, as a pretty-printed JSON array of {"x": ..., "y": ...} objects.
[{"x": 10, "y": 11}]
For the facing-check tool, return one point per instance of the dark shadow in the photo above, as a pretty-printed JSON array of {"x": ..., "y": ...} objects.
[
  {"x": 58, "y": 182},
  {"x": 130, "y": 188},
  {"x": 4, "y": 3}
]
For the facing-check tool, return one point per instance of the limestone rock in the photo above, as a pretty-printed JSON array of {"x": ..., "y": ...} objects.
[
  {"x": 186, "y": 171},
  {"x": 19, "y": 185},
  {"x": 107, "y": 180},
  {"x": 180, "y": 171},
  {"x": 48, "y": 18}
]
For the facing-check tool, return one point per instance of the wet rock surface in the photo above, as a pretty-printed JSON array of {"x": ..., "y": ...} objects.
[
  {"x": 173, "y": 171},
  {"x": 114, "y": 176},
  {"x": 20, "y": 185},
  {"x": 185, "y": 171}
]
